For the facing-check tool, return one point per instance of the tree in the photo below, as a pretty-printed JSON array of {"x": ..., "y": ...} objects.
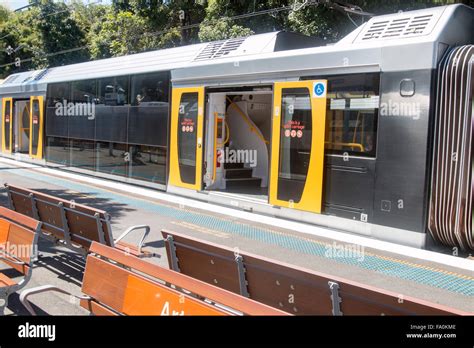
[
  {"x": 4, "y": 14},
  {"x": 60, "y": 32},
  {"x": 20, "y": 39},
  {"x": 119, "y": 34}
]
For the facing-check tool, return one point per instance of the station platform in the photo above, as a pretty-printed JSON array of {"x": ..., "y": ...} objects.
[{"x": 433, "y": 276}]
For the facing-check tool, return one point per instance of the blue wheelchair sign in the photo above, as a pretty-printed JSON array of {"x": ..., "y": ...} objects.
[{"x": 319, "y": 89}]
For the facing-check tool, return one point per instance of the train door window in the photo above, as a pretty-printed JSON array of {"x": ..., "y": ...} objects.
[
  {"x": 352, "y": 112},
  {"x": 35, "y": 129},
  {"x": 295, "y": 143},
  {"x": 187, "y": 136},
  {"x": 7, "y": 121}
]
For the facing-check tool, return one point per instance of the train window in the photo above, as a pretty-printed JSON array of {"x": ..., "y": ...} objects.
[
  {"x": 149, "y": 89},
  {"x": 112, "y": 158},
  {"x": 84, "y": 91},
  {"x": 148, "y": 163},
  {"x": 58, "y": 92},
  {"x": 352, "y": 111},
  {"x": 295, "y": 143},
  {"x": 58, "y": 151},
  {"x": 148, "y": 115},
  {"x": 36, "y": 120},
  {"x": 113, "y": 91},
  {"x": 83, "y": 154}
]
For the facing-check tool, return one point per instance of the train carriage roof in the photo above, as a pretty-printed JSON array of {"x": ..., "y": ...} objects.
[{"x": 402, "y": 41}]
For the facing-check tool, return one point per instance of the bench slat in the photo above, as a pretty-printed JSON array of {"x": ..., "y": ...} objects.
[
  {"x": 182, "y": 281},
  {"x": 96, "y": 308},
  {"x": 18, "y": 218},
  {"x": 132, "y": 294},
  {"x": 298, "y": 290},
  {"x": 6, "y": 281},
  {"x": 81, "y": 221},
  {"x": 4, "y": 229}
]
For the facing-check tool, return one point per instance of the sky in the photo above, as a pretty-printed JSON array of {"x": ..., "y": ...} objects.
[{"x": 14, "y": 4}]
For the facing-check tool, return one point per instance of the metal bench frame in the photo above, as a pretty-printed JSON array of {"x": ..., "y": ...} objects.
[
  {"x": 218, "y": 299},
  {"x": 341, "y": 293},
  {"x": 101, "y": 218},
  {"x": 6, "y": 291}
]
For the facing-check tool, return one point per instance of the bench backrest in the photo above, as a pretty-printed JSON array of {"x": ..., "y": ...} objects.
[
  {"x": 292, "y": 289},
  {"x": 62, "y": 219},
  {"x": 119, "y": 283},
  {"x": 18, "y": 238}
]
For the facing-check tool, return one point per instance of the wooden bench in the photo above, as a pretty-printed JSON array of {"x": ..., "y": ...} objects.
[
  {"x": 116, "y": 283},
  {"x": 18, "y": 240},
  {"x": 292, "y": 289},
  {"x": 73, "y": 225}
]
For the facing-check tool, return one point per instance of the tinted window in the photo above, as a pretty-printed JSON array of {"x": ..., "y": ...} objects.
[
  {"x": 149, "y": 88},
  {"x": 58, "y": 151},
  {"x": 148, "y": 116},
  {"x": 36, "y": 120},
  {"x": 113, "y": 90},
  {"x": 84, "y": 91},
  {"x": 83, "y": 154},
  {"x": 112, "y": 158},
  {"x": 148, "y": 163},
  {"x": 7, "y": 123},
  {"x": 351, "y": 118},
  {"x": 58, "y": 92},
  {"x": 58, "y": 96},
  {"x": 187, "y": 136},
  {"x": 295, "y": 143}
]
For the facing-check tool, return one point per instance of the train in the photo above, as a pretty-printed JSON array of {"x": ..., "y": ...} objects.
[{"x": 371, "y": 135}]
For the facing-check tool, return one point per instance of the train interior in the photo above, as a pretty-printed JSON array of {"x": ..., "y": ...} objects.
[
  {"x": 238, "y": 128},
  {"x": 21, "y": 127}
]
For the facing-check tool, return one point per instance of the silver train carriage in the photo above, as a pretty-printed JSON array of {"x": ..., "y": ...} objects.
[{"x": 371, "y": 135}]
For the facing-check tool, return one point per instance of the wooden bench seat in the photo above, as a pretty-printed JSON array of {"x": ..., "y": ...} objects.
[
  {"x": 290, "y": 288},
  {"x": 18, "y": 240},
  {"x": 116, "y": 283},
  {"x": 71, "y": 224}
]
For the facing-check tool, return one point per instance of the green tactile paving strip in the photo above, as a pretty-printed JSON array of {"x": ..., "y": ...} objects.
[{"x": 388, "y": 266}]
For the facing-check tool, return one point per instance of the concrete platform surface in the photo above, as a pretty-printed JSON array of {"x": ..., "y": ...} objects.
[{"x": 409, "y": 276}]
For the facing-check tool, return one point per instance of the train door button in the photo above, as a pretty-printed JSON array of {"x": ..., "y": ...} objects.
[{"x": 407, "y": 88}]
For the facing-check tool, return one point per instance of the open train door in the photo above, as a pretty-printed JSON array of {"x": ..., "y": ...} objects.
[
  {"x": 36, "y": 127},
  {"x": 298, "y": 132},
  {"x": 186, "y": 138},
  {"x": 7, "y": 124}
]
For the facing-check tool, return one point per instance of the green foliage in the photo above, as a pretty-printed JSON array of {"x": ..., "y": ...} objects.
[
  {"x": 81, "y": 32},
  {"x": 60, "y": 31}
]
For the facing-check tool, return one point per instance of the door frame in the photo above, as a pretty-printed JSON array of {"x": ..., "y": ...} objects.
[
  {"x": 4, "y": 147},
  {"x": 39, "y": 148},
  {"x": 175, "y": 175},
  {"x": 312, "y": 196}
]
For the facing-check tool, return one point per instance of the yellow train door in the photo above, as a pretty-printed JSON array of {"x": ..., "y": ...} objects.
[
  {"x": 186, "y": 138},
  {"x": 7, "y": 122},
  {"x": 36, "y": 127},
  {"x": 298, "y": 132}
]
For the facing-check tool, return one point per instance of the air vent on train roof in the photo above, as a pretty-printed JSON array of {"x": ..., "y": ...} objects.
[
  {"x": 219, "y": 49},
  {"x": 399, "y": 26},
  {"x": 10, "y": 79}
]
